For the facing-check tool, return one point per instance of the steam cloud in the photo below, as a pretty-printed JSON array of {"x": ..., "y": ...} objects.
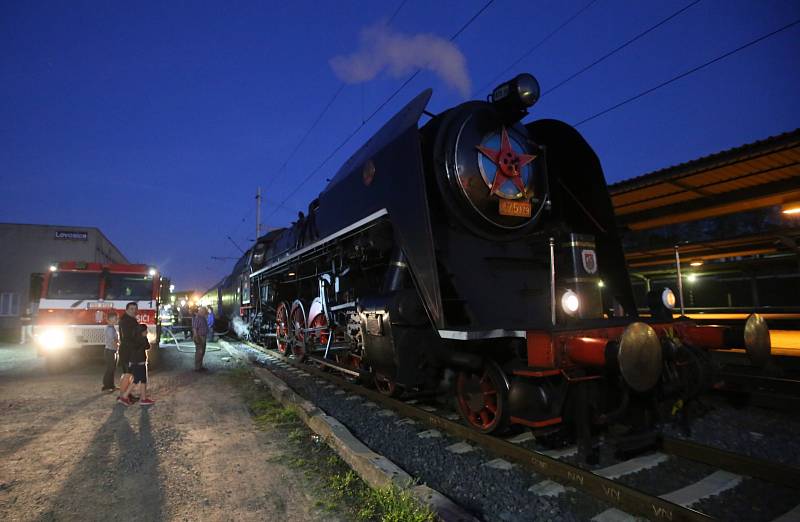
[
  {"x": 381, "y": 48},
  {"x": 242, "y": 330}
]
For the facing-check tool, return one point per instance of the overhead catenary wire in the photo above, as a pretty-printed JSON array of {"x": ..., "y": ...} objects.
[
  {"x": 375, "y": 112},
  {"x": 538, "y": 44},
  {"x": 688, "y": 72},
  {"x": 322, "y": 114},
  {"x": 619, "y": 48}
]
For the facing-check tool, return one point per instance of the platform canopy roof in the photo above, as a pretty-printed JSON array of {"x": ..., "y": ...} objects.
[{"x": 760, "y": 174}]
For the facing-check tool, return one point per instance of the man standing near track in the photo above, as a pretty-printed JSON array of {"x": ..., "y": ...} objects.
[{"x": 199, "y": 334}]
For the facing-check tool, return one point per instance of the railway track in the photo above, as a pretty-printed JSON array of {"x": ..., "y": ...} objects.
[{"x": 608, "y": 484}]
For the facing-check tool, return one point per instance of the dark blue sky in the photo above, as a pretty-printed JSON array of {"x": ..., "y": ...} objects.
[{"x": 157, "y": 121}]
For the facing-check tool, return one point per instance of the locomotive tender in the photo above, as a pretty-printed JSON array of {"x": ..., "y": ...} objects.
[{"x": 478, "y": 253}]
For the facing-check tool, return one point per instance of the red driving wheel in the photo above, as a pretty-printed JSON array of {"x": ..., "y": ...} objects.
[
  {"x": 297, "y": 327},
  {"x": 319, "y": 326},
  {"x": 282, "y": 328},
  {"x": 482, "y": 398}
]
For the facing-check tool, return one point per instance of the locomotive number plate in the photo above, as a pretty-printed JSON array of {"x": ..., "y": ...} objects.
[{"x": 510, "y": 207}]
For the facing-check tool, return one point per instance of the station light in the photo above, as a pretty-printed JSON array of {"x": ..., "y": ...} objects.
[
  {"x": 697, "y": 262},
  {"x": 291, "y": 274},
  {"x": 53, "y": 268},
  {"x": 691, "y": 278},
  {"x": 791, "y": 209}
]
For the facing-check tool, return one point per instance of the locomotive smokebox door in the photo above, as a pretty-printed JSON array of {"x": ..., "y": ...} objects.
[{"x": 578, "y": 271}]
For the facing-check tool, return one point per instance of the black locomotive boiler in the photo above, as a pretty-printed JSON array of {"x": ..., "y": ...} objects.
[{"x": 480, "y": 254}]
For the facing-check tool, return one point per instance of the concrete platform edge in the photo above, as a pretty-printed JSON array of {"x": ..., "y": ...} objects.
[{"x": 376, "y": 470}]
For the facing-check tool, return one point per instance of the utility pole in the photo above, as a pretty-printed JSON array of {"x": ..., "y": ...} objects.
[{"x": 258, "y": 213}]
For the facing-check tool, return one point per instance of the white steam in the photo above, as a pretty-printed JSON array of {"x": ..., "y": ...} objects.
[
  {"x": 381, "y": 48},
  {"x": 241, "y": 328}
]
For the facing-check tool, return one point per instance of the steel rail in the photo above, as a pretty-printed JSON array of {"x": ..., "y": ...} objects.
[
  {"x": 782, "y": 474},
  {"x": 624, "y": 497}
]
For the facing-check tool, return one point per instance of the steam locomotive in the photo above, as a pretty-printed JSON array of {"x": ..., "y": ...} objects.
[{"x": 479, "y": 254}]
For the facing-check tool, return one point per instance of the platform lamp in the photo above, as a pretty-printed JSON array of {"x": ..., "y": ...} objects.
[{"x": 791, "y": 209}]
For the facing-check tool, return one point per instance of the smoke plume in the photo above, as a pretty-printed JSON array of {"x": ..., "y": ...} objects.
[{"x": 381, "y": 48}]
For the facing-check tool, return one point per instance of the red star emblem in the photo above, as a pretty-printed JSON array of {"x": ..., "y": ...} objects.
[{"x": 509, "y": 163}]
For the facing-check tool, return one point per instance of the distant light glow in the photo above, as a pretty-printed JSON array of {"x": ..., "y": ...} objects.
[
  {"x": 152, "y": 272},
  {"x": 171, "y": 288},
  {"x": 53, "y": 268},
  {"x": 699, "y": 262},
  {"x": 691, "y": 278},
  {"x": 291, "y": 274},
  {"x": 792, "y": 210},
  {"x": 601, "y": 284}
]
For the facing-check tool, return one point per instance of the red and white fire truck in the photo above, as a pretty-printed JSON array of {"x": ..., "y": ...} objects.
[{"x": 77, "y": 296}]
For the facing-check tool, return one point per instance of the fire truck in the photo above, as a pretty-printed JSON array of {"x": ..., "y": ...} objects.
[{"x": 77, "y": 297}]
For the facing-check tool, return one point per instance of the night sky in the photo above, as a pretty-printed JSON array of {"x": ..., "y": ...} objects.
[{"x": 156, "y": 121}]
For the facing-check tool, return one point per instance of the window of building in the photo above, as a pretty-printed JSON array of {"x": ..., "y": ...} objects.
[{"x": 9, "y": 304}]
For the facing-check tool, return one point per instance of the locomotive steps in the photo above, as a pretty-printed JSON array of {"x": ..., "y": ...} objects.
[{"x": 377, "y": 471}]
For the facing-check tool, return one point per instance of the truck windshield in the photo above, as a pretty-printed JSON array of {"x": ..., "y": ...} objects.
[
  {"x": 74, "y": 285},
  {"x": 129, "y": 287}
]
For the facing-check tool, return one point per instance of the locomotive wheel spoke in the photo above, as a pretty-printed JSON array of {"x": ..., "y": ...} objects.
[{"x": 482, "y": 399}]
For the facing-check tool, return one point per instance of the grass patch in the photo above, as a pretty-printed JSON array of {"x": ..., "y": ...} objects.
[{"x": 337, "y": 488}]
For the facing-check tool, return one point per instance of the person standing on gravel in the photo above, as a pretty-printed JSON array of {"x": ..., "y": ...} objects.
[
  {"x": 128, "y": 340},
  {"x": 138, "y": 369},
  {"x": 112, "y": 345},
  {"x": 199, "y": 334},
  {"x": 210, "y": 322}
]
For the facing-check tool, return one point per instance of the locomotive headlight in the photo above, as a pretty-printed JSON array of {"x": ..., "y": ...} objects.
[
  {"x": 668, "y": 298},
  {"x": 52, "y": 339},
  {"x": 513, "y": 97},
  {"x": 570, "y": 302}
]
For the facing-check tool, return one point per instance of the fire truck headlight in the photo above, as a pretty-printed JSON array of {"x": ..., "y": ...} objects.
[
  {"x": 52, "y": 339},
  {"x": 570, "y": 302}
]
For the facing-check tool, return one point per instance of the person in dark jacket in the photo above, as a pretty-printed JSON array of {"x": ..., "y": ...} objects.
[
  {"x": 129, "y": 337},
  {"x": 199, "y": 333},
  {"x": 210, "y": 321},
  {"x": 138, "y": 369}
]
